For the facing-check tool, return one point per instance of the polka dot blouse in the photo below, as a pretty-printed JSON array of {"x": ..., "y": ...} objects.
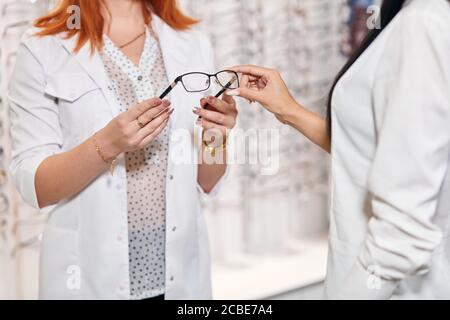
[{"x": 146, "y": 169}]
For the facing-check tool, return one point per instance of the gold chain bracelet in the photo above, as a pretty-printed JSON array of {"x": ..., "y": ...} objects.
[
  {"x": 112, "y": 164},
  {"x": 213, "y": 149}
]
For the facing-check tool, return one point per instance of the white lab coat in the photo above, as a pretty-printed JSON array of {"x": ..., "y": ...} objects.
[
  {"x": 58, "y": 100},
  {"x": 390, "y": 204}
]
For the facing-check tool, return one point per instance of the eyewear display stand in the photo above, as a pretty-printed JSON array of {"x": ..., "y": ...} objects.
[
  {"x": 20, "y": 226},
  {"x": 257, "y": 217}
]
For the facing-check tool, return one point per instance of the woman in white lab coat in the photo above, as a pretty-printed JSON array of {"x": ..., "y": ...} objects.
[
  {"x": 86, "y": 129},
  {"x": 388, "y": 131}
]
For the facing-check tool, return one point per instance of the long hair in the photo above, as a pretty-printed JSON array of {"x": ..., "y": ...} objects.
[
  {"x": 389, "y": 10},
  {"x": 92, "y": 21}
]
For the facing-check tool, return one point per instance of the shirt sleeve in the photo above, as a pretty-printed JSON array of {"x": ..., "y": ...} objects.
[
  {"x": 35, "y": 128},
  {"x": 411, "y": 161}
]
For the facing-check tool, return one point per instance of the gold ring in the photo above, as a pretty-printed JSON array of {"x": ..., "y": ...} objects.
[{"x": 140, "y": 124}]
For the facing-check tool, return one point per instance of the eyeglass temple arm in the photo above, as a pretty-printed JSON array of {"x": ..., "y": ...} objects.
[{"x": 170, "y": 88}]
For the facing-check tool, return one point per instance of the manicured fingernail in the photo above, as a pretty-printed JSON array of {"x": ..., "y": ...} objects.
[
  {"x": 233, "y": 93},
  {"x": 196, "y": 110}
]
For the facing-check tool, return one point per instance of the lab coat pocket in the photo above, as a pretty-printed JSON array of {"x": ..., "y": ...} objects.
[
  {"x": 69, "y": 87},
  {"x": 60, "y": 269},
  {"x": 81, "y": 104}
]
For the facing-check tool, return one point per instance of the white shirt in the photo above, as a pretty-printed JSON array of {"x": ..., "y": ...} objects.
[
  {"x": 146, "y": 168},
  {"x": 390, "y": 205},
  {"x": 58, "y": 100}
]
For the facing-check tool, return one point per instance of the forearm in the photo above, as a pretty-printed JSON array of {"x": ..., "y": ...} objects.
[
  {"x": 210, "y": 173},
  {"x": 311, "y": 125},
  {"x": 65, "y": 175}
]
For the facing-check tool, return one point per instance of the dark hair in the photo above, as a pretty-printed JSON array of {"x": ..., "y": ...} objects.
[{"x": 389, "y": 10}]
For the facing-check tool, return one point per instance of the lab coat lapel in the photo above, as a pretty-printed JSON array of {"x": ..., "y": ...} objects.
[
  {"x": 176, "y": 48},
  {"x": 92, "y": 64}
]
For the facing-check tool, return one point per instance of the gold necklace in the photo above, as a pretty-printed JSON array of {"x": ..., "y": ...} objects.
[{"x": 130, "y": 42}]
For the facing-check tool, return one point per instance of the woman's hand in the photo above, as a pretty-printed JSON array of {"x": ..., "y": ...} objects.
[
  {"x": 218, "y": 114},
  {"x": 66, "y": 174},
  {"x": 135, "y": 128},
  {"x": 215, "y": 115},
  {"x": 267, "y": 87}
]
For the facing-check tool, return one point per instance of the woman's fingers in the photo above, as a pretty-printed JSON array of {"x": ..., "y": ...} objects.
[
  {"x": 216, "y": 117},
  {"x": 244, "y": 81},
  {"x": 139, "y": 109},
  {"x": 226, "y": 105},
  {"x": 208, "y": 125},
  {"x": 153, "y": 113},
  {"x": 153, "y": 125},
  {"x": 149, "y": 139},
  {"x": 251, "y": 70},
  {"x": 247, "y": 93}
]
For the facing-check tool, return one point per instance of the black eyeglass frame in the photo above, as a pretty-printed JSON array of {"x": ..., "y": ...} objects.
[{"x": 224, "y": 87}]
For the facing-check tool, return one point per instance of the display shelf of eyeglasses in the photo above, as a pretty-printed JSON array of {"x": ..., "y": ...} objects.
[
  {"x": 246, "y": 215},
  {"x": 21, "y": 228},
  {"x": 269, "y": 33}
]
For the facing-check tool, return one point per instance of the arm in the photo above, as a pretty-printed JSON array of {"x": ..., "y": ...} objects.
[
  {"x": 267, "y": 87},
  {"x": 45, "y": 175},
  {"x": 210, "y": 174},
  {"x": 64, "y": 175},
  {"x": 310, "y": 124}
]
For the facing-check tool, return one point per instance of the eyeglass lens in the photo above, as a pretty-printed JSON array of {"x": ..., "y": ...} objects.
[
  {"x": 228, "y": 80},
  {"x": 198, "y": 82}
]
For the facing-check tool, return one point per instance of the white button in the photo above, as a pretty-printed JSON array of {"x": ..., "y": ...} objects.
[
  {"x": 172, "y": 278},
  {"x": 174, "y": 229},
  {"x": 171, "y": 177}
]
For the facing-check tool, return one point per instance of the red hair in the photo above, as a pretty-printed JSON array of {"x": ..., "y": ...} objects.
[{"x": 92, "y": 22}]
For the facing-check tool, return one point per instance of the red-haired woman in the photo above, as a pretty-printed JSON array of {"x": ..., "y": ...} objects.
[{"x": 116, "y": 167}]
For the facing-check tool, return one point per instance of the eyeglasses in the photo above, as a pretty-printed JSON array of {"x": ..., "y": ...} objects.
[{"x": 200, "y": 82}]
